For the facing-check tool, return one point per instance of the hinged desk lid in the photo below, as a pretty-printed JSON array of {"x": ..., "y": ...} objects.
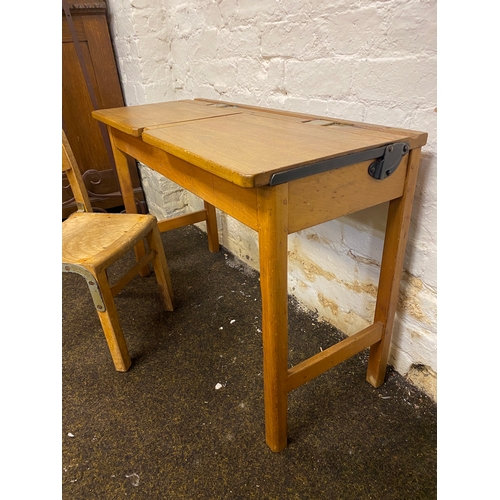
[
  {"x": 248, "y": 145},
  {"x": 248, "y": 149}
]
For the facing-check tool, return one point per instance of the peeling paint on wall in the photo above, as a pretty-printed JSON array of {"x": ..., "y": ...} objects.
[{"x": 425, "y": 378}]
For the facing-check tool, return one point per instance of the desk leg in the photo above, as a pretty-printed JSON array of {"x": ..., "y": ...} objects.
[
  {"x": 396, "y": 236},
  {"x": 273, "y": 236},
  {"x": 127, "y": 190},
  {"x": 212, "y": 232}
]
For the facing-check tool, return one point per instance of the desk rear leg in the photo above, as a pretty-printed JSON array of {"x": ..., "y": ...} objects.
[
  {"x": 127, "y": 191},
  {"x": 396, "y": 236}
]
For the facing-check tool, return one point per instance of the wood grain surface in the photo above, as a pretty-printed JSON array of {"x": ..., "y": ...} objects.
[{"x": 246, "y": 149}]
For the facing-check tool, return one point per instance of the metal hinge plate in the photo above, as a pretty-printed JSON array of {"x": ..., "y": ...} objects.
[{"x": 383, "y": 167}]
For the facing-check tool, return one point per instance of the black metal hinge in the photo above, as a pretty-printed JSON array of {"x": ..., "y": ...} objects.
[
  {"x": 387, "y": 159},
  {"x": 385, "y": 166}
]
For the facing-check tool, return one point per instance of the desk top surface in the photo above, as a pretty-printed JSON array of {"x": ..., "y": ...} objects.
[{"x": 246, "y": 145}]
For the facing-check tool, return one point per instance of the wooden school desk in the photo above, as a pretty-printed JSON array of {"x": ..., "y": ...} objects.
[{"x": 279, "y": 172}]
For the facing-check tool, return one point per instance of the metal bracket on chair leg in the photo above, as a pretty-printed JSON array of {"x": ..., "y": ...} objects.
[{"x": 95, "y": 292}]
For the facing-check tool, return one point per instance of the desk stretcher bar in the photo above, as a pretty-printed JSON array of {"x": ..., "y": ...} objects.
[{"x": 324, "y": 360}]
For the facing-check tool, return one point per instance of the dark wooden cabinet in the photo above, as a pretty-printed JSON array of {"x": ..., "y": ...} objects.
[{"x": 85, "y": 136}]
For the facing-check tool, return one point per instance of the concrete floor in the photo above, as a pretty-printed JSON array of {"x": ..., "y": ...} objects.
[{"x": 164, "y": 430}]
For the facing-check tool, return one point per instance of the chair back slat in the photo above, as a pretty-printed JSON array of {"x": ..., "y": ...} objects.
[{"x": 72, "y": 171}]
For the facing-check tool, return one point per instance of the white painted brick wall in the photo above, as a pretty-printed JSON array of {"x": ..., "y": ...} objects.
[{"x": 366, "y": 60}]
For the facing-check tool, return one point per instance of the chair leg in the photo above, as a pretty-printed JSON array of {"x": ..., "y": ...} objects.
[
  {"x": 160, "y": 267},
  {"x": 111, "y": 326}
]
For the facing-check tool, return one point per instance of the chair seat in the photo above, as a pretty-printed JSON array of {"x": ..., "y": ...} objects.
[
  {"x": 95, "y": 240},
  {"x": 91, "y": 242}
]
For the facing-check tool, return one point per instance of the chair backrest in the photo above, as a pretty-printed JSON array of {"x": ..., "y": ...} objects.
[{"x": 72, "y": 171}]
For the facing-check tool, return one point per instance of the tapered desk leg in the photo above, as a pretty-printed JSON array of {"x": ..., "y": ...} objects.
[
  {"x": 273, "y": 233},
  {"x": 396, "y": 236},
  {"x": 127, "y": 190}
]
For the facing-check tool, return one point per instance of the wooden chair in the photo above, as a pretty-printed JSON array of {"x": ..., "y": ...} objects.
[{"x": 91, "y": 242}]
